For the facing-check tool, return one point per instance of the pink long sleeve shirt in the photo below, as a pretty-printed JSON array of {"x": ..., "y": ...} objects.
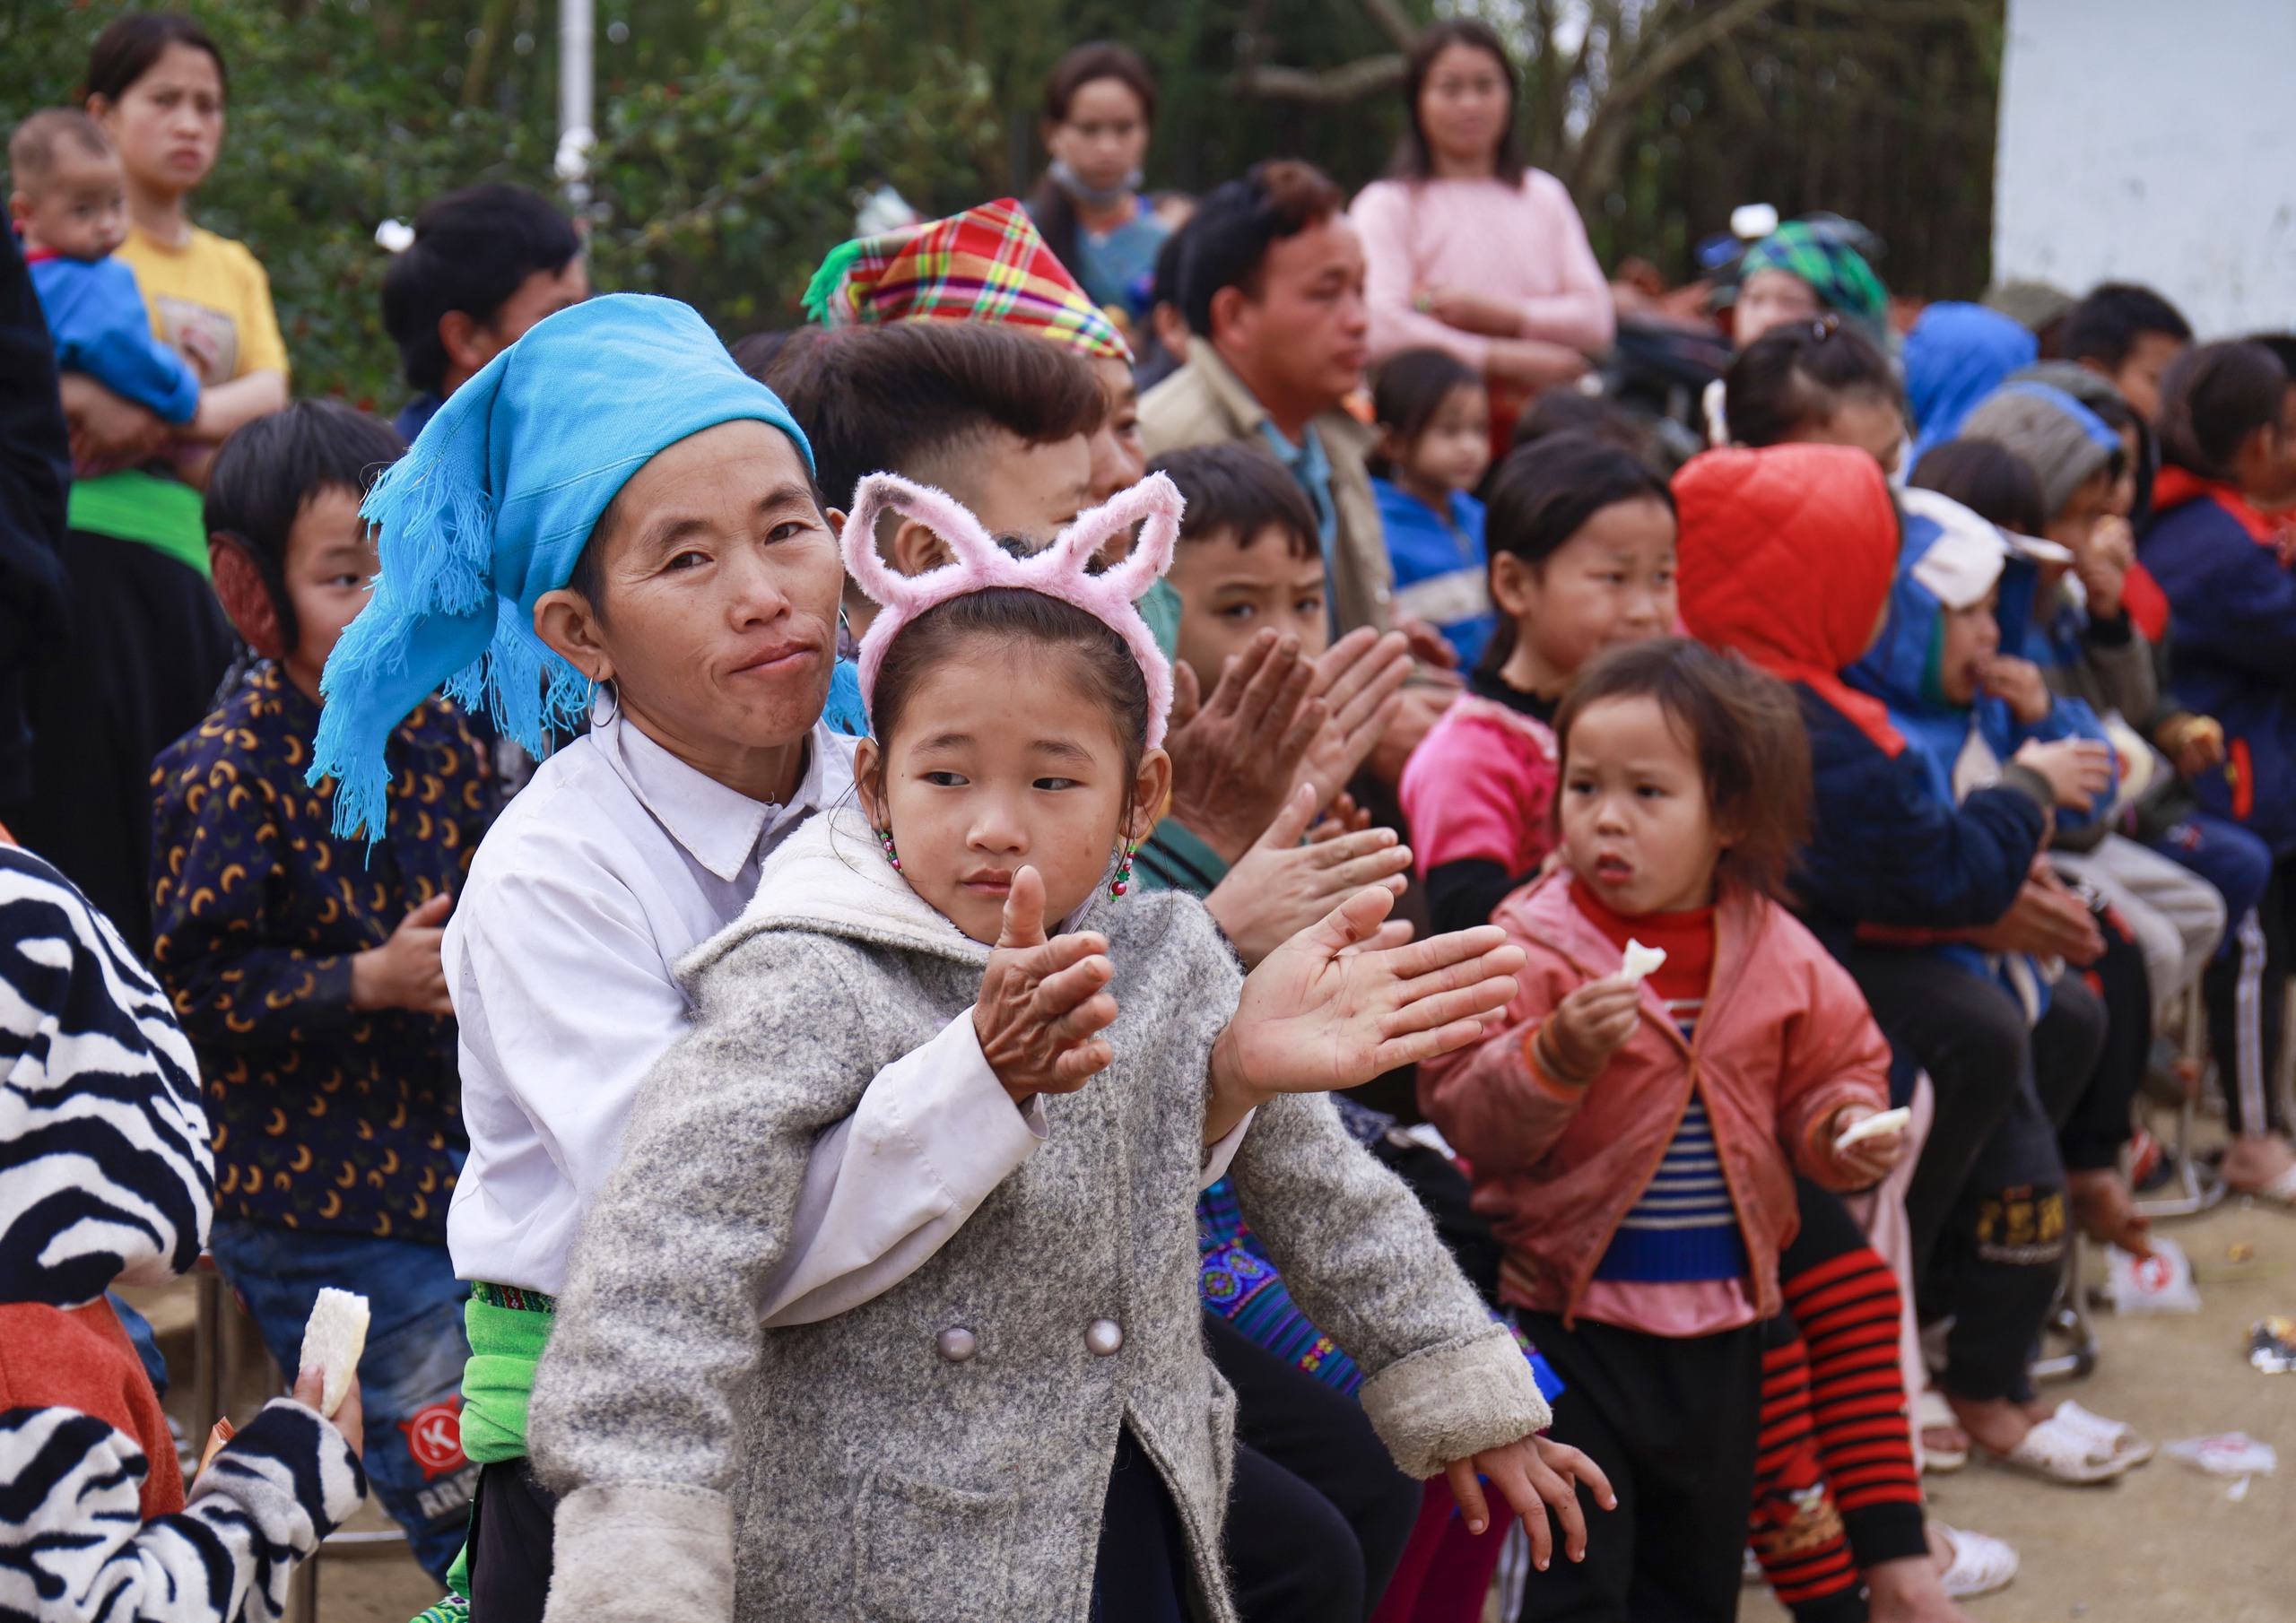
[{"x": 1521, "y": 243}]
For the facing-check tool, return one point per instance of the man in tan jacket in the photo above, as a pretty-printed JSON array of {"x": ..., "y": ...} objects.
[{"x": 1272, "y": 284}]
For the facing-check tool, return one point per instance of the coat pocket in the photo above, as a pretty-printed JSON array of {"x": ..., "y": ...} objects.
[{"x": 927, "y": 1553}]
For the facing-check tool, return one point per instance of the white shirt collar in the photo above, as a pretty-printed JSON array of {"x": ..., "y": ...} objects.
[{"x": 719, "y": 826}]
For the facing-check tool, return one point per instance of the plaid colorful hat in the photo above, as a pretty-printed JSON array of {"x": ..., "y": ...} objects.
[
  {"x": 986, "y": 264},
  {"x": 1837, "y": 272}
]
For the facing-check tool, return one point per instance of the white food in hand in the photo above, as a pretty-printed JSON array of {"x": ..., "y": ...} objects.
[
  {"x": 1640, "y": 962},
  {"x": 1873, "y": 1127},
  {"x": 333, "y": 1340}
]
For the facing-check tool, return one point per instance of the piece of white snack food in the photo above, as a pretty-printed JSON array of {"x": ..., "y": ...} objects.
[
  {"x": 332, "y": 1338},
  {"x": 1873, "y": 1127},
  {"x": 1640, "y": 962}
]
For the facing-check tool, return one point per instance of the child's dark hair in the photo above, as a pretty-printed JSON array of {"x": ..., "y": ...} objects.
[
  {"x": 2213, "y": 398},
  {"x": 1570, "y": 411},
  {"x": 904, "y": 397},
  {"x": 1543, "y": 493},
  {"x": 1753, "y": 749},
  {"x": 2105, "y": 326},
  {"x": 1013, "y": 614},
  {"x": 1803, "y": 372},
  {"x": 473, "y": 249},
  {"x": 1412, "y": 386},
  {"x": 1989, "y": 479},
  {"x": 269, "y": 471},
  {"x": 1235, "y": 486}
]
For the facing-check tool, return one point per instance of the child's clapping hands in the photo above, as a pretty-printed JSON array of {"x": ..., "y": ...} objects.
[{"x": 1588, "y": 1027}]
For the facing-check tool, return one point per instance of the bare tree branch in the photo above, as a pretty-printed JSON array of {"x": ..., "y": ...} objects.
[
  {"x": 1398, "y": 22},
  {"x": 1351, "y": 81},
  {"x": 1655, "y": 61},
  {"x": 1596, "y": 155}
]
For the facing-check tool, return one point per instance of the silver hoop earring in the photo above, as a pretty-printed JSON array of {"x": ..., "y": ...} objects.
[{"x": 613, "y": 703}]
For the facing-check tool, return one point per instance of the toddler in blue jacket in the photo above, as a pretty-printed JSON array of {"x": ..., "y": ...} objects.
[{"x": 69, "y": 204}]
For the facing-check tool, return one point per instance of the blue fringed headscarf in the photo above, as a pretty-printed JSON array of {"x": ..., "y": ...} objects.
[{"x": 490, "y": 511}]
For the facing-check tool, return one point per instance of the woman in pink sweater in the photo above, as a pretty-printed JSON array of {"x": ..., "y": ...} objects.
[{"x": 1469, "y": 249}]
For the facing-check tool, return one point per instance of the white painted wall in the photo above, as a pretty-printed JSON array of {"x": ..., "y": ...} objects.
[{"x": 2153, "y": 141}]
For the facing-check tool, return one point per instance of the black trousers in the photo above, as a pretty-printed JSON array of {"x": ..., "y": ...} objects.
[
  {"x": 1986, "y": 1203},
  {"x": 1673, "y": 1423},
  {"x": 144, "y": 648},
  {"x": 1319, "y": 1515},
  {"x": 509, "y": 1557},
  {"x": 2242, "y": 985},
  {"x": 2096, "y": 1124},
  {"x": 1141, "y": 1573}
]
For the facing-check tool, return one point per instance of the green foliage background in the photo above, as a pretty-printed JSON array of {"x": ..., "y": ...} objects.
[
  {"x": 736, "y": 134},
  {"x": 732, "y": 136}
]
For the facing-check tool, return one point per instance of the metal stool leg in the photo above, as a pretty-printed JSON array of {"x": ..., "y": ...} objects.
[
  {"x": 2197, "y": 1187},
  {"x": 207, "y": 1352},
  {"x": 2069, "y": 1319}
]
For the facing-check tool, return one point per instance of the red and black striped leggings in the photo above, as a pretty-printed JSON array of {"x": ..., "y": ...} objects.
[{"x": 1835, "y": 1485}]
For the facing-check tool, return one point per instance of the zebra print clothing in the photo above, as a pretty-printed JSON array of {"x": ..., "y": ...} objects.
[
  {"x": 105, "y": 1172},
  {"x": 73, "y": 1544}
]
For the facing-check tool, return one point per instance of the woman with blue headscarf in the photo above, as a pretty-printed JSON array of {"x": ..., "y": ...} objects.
[{"x": 611, "y": 530}]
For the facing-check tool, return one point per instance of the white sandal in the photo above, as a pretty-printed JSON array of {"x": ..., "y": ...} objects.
[
  {"x": 1931, "y": 1412},
  {"x": 2113, "y": 1438},
  {"x": 2281, "y": 1192},
  {"x": 2056, "y": 1452},
  {"x": 1980, "y": 1564}
]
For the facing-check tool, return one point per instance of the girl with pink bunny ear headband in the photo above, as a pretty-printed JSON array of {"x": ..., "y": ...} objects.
[{"x": 1059, "y": 572}]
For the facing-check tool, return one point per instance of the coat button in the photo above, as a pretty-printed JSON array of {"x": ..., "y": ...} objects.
[
  {"x": 957, "y": 1345},
  {"x": 1103, "y": 1337}
]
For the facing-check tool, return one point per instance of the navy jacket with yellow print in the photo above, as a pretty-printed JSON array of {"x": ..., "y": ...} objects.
[{"x": 327, "y": 1117}]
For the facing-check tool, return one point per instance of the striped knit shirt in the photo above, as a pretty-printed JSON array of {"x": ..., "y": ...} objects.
[{"x": 1682, "y": 1226}]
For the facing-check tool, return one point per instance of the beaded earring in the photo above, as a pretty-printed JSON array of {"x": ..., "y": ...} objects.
[
  {"x": 1122, "y": 882},
  {"x": 885, "y": 838}
]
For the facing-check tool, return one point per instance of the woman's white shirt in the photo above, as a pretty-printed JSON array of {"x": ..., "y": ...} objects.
[{"x": 613, "y": 864}]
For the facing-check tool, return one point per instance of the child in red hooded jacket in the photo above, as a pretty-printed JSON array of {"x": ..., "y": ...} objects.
[{"x": 1635, "y": 1140}]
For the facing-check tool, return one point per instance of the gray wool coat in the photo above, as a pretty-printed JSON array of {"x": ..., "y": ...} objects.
[{"x": 942, "y": 1452}]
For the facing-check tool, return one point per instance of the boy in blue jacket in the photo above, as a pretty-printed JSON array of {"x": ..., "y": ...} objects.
[
  {"x": 2224, "y": 435},
  {"x": 69, "y": 207},
  {"x": 1792, "y": 555}
]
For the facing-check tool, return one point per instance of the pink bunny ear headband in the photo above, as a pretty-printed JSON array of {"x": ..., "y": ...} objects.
[{"x": 1056, "y": 572}]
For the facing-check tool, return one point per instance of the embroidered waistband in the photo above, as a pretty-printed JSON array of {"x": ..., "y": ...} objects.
[{"x": 512, "y": 1296}]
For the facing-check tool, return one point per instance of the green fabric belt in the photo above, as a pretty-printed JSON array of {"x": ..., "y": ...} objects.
[
  {"x": 163, "y": 514},
  {"x": 508, "y": 1330},
  {"x": 506, "y": 1345}
]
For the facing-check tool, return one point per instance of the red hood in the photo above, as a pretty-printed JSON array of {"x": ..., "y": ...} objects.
[{"x": 1786, "y": 556}]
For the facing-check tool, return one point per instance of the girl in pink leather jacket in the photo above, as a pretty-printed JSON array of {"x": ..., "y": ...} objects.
[{"x": 1634, "y": 1130}]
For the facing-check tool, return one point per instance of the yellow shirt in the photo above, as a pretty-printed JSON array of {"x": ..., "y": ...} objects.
[{"x": 210, "y": 302}]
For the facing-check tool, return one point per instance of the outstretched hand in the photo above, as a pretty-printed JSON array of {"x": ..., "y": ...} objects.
[
  {"x": 1043, "y": 1003},
  {"x": 1281, "y": 886},
  {"x": 1335, "y": 1006},
  {"x": 1533, "y": 1475}
]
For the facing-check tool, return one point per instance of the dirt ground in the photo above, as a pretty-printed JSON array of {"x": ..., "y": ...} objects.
[{"x": 2165, "y": 1542}]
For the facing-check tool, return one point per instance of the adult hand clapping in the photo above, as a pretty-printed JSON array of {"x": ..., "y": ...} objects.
[{"x": 1338, "y": 1005}]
